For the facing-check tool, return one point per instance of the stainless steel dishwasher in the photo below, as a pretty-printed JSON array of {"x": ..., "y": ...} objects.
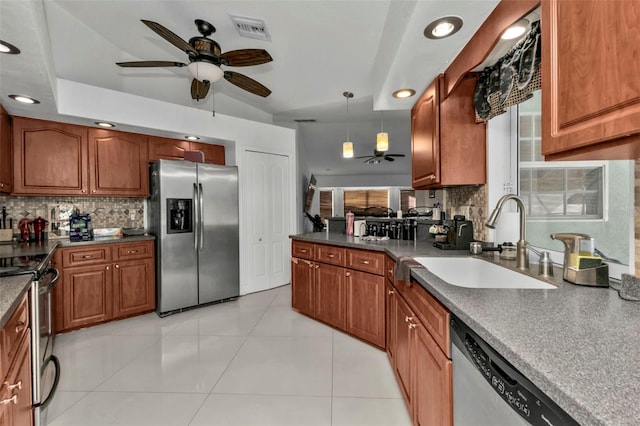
[{"x": 487, "y": 390}]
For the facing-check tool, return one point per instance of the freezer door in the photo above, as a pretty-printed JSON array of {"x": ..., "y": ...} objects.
[
  {"x": 218, "y": 246},
  {"x": 173, "y": 185}
]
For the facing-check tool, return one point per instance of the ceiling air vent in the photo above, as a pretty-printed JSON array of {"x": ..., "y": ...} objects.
[
  {"x": 305, "y": 120},
  {"x": 250, "y": 27}
]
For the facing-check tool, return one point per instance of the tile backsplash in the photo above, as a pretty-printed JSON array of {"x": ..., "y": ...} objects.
[
  {"x": 106, "y": 212},
  {"x": 470, "y": 201}
]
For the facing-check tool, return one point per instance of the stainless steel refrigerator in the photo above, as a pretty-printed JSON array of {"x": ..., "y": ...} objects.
[{"x": 193, "y": 212}]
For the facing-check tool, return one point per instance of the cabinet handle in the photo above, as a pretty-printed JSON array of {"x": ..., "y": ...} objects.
[
  {"x": 93, "y": 191},
  {"x": 412, "y": 325},
  {"x": 117, "y": 266},
  {"x": 366, "y": 262},
  {"x": 107, "y": 268},
  {"x": 331, "y": 256},
  {"x": 13, "y": 399},
  {"x": 431, "y": 176},
  {"x": 20, "y": 327},
  {"x": 407, "y": 319},
  {"x": 310, "y": 265},
  {"x": 390, "y": 292},
  {"x": 86, "y": 256},
  {"x": 1, "y": 185},
  {"x": 132, "y": 251},
  {"x": 15, "y": 385},
  {"x": 348, "y": 274},
  {"x": 317, "y": 266},
  {"x": 303, "y": 250}
]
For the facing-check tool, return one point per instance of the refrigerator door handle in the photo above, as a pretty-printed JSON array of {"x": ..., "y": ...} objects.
[
  {"x": 196, "y": 219},
  {"x": 201, "y": 205}
]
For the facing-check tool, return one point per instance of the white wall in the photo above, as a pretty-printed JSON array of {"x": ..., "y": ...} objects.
[{"x": 93, "y": 103}]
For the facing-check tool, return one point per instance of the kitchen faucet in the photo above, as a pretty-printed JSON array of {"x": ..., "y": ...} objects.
[{"x": 522, "y": 255}]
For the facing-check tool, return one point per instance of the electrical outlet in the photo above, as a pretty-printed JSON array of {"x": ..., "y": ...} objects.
[{"x": 133, "y": 216}]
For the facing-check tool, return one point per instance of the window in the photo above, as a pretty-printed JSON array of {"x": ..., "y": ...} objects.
[
  {"x": 556, "y": 190},
  {"x": 407, "y": 199},
  {"x": 326, "y": 204},
  {"x": 366, "y": 202}
]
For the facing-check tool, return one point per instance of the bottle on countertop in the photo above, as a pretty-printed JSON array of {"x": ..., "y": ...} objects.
[{"x": 350, "y": 221}]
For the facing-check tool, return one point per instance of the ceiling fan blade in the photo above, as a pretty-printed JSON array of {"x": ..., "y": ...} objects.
[
  {"x": 363, "y": 156},
  {"x": 389, "y": 158},
  {"x": 143, "y": 64},
  {"x": 246, "y": 83},
  {"x": 394, "y": 155},
  {"x": 199, "y": 89},
  {"x": 245, "y": 57},
  {"x": 170, "y": 37}
]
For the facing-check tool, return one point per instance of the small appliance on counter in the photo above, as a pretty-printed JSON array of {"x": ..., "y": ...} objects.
[
  {"x": 80, "y": 228},
  {"x": 459, "y": 234}
]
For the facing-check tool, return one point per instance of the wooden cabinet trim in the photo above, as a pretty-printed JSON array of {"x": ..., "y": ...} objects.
[{"x": 6, "y": 160}]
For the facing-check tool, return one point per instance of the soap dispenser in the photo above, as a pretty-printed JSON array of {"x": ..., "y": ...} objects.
[{"x": 581, "y": 266}]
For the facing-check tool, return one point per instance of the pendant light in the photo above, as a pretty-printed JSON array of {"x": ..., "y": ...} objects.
[
  {"x": 347, "y": 146},
  {"x": 382, "y": 139}
]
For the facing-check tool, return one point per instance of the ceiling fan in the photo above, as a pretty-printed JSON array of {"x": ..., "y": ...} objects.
[
  {"x": 206, "y": 59},
  {"x": 378, "y": 156}
]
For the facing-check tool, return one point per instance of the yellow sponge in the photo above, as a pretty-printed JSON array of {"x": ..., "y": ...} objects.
[{"x": 586, "y": 262}]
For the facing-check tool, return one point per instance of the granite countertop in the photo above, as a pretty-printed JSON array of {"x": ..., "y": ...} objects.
[
  {"x": 12, "y": 288},
  {"x": 580, "y": 345}
]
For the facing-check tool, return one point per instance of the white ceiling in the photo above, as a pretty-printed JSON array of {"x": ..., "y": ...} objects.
[{"x": 320, "y": 49}]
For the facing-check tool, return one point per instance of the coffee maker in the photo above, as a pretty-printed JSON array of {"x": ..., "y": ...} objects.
[{"x": 459, "y": 235}]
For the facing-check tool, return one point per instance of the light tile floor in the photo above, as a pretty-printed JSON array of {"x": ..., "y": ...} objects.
[{"x": 253, "y": 361}]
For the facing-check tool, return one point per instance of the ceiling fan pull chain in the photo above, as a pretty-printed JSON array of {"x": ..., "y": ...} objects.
[{"x": 213, "y": 100}]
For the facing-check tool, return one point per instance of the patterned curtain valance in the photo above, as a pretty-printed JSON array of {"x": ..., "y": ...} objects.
[{"x": 511, "y": 80}]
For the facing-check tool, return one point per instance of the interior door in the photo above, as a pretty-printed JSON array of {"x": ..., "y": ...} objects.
[{"x": 265, "y": 204}]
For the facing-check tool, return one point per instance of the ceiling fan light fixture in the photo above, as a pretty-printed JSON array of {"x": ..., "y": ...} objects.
[
  {"x": 205, "y": 71},
  {"x": 443, "y": 27},
  {"x": 347, "y": 150},
  {"x": 403, "y": 93},
  {"x": 516, "y": 30}
]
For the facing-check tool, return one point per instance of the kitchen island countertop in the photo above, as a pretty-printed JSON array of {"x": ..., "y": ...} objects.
[{"x": 580, "y": 345}]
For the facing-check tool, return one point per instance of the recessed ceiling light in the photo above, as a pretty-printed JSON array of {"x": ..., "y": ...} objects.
[
  {"x": 192, "y": 138},
  {"x": 24, "y": 99},
  {"x": 105, "y": 124},
  {"x": 516, "y": 30},
  {"x": 443, "y": 27},
  {"x": 403, "y": 93},
  {"x": 8, "y": 48}
]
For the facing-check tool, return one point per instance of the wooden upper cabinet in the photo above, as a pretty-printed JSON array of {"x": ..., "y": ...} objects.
[
  {"x": 590, "y": 85},
  {"x": 118, "y": 163},
  {"x": 49, "y": 158},
  {"x": 6, "y": 169},
  {"x": 448, "y": 147},
  {"x": 213, "y": 154},
  {"x": 167, "y": 149}
]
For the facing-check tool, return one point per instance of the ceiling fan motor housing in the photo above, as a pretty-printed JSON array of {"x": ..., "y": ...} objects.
[{"x": 207, "y": 48}]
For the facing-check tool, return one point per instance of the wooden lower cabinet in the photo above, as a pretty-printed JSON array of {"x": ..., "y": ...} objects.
[
  {"x": 18, "y": 384},
  {"x": 302, "y": 286},
  {"x": 87, "y": 295},
  {"x": 402, "y": 348},
  {"x": 104, "y": 282},
  {"x": 431, "y": 371},
  {"x": 330, "y": 295},
  {"x": 366, "y": 306}
]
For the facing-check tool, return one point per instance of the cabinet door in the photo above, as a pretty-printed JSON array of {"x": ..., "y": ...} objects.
[
  {"x": 87, "y": 293},
  {"x": 330, "y": 295},
  {"x": 6, "y": 172},
  {"x": 19, "y": 384},
  {"x": 390, "y": 321},
  {"x": 133, "y": 287},
  {"x": 431, "y": 372},
  {"x": 425, "y": 138},
  {"x": 590, "y": 89},
  {"x": 302, "y": 286},
  {"x": 365, "y": 306},
  {"x": 118, "y": 163},
  {"x": 402, "y": 340},
  {"x": 167, "y": 149},
  {"x": 49, "y": 158},
  {"x": 213, "y": 154}
]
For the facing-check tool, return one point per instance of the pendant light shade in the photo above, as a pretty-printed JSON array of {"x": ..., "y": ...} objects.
[
  {"x": 347, "y": 147},
  {"x": 382, "y": 139},
  {"x": 347, "y": 150}
]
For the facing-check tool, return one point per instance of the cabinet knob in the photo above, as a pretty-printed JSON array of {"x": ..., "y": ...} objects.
[
  {"x": 93, "y": 191},
  {"x": 20, "y": 327},
  {"x": 348, "y": 274},
  {"x": 390, "y": 292},
  {"x": 107, "y": 268},
  {"x": 407, "y": 319},
  {"x": 331, "y": 256},
  {"x": 84, "y": 191},
  {"x": 317, "y": 266},
  {"x": 117, "y": 266},
  {"x": 310, "y": 265},
  {"x": 15, "y": 385},
  {"x": 412, "y": 325},
  {"x": 13, "y": 399},
  {"x": 1, "y": 185}
]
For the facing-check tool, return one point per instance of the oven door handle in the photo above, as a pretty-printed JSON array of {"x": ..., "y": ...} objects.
[{"x": 49, "y": 287}]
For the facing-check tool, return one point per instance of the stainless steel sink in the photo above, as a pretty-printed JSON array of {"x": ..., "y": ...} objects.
[{"x": 472, "y": 272}]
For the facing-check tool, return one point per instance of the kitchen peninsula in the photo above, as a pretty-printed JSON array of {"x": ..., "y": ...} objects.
[{"x": 577, "y": 344}]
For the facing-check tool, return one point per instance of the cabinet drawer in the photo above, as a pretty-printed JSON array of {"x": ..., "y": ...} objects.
[
  {"x": 132, "y": 251},
  {"x": 302, "y": 250},
  {"x": 88, "y": 255},
  {"x": 431, "y": 313},
  {"x": 366, "y": 261},
  {"x": 12, "y": 333},
  {"x": 389, "y": 268},
  {"x": 330, "y": 254}
]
